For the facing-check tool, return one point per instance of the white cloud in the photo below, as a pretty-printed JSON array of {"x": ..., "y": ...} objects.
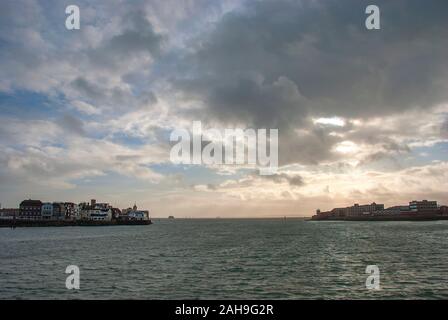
[{"x": 85, "y": 107}]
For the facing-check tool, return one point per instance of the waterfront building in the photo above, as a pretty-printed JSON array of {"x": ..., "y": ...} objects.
[
  {"x": 9, "y": 213},
  {"x": 134, "y": 214},
  {"x": 95, "y": 211},
  {"x": 30, "y": 209},
  {"x": 36, "y": 210},
  {"x": 83, "y": 211},
  {"x": 124, "y": 215},
  {"x": 58, "y": 211},
  {"x": 423, "y": 205},
  {"x": 47, "y": 210},
  {"x": 399, "y": 209},
  {"x": 71, "y": 211},
  {"x": 139, "y": 215},
  {"x": 100, "y": 214},
  {"x": 444, "y": 210},
  {"x": 387, "y": 211},
  {"x": 99, "y": 205},
  {"x": 116, "y": 213},
  {"x": 357, "y": 209},
  {"x": 416, "y": 210},
  {"x": 338, "y": 212}
]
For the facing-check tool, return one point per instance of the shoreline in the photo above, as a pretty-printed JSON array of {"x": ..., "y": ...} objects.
[
  {"x": 63, "y": 223},
  {"x": 421, "y": 217}
]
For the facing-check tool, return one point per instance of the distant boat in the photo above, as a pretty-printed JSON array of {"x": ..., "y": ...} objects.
[{"x": 171, "y": 217}]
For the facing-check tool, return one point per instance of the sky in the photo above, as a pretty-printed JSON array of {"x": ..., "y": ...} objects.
[{"x": 362, "y": 114}]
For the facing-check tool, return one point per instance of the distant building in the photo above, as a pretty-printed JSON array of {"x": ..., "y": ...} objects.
[
  {"x": 357, "y": 209},
  {"x": 387, "y": 212},
  {"x": 423, "y": 205},
  {"x": 124, "y": 214},
  {"x": 444, "y": 210},
  {"x": 399, "y": 208},
  {"x": 116, "y": 213},
  {"x": 338, "y": 212},
  {"x": 83, "y": 210},
  {"x": 139, "y": 215},
  {"x": 95, "y": 211},
  {"x": 71, "y": 211},
  {"x": 100, "y": 214},
  {"x": 9, "y": 213},
  {"x": 354, "y": 210},
  {"x": 30, "y": 209},
  {"x": 58, "y": 211},
  {"x": 415, "y": 209},
  {"x": 99, "y": 205},
  {"x": 134, "y": 214},
  {"x": 47, "y": 210}
]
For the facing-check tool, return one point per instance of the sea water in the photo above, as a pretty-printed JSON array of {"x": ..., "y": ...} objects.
[{"x": 227, "y": 259}]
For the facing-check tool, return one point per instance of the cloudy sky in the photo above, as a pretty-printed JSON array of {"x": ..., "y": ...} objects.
[{"x": 362, "y": 115}]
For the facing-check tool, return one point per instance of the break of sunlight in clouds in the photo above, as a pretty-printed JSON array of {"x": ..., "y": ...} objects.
[
  {"x": 346, "y": 147},
  {"x": 334, "y": 121}
]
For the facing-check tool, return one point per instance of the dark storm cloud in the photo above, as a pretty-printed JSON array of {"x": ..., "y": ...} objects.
[
  {"x": 138, "y": 36},
  {"x": 326, "y": 52},
  {"x": 310, "y": 147},
  {"x": 131, "y": 46},
  {"x": 245, "y": 97},
  {"x": 87, "y": 89},
  {"x": 101, "y": 95},
  {"x": 71, "y": 123},
  {"x": 276, "y": 63},
  {"x": 115, "y": 97},
  {"x": 296, "y": 180}
]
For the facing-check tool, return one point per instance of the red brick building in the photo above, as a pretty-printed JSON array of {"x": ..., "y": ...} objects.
[{"x": 30, "y": 209}]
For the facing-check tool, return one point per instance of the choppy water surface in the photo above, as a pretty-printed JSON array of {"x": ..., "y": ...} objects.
[{"x": 227, "y": 259}]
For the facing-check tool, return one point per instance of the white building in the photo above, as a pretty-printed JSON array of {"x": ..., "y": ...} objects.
[
  {"x": 100, "y": 214},
  {"x": 135, "y": 214},
  {"x": 93, "y": 211},
  {"x": 47, "y": 210},
  {"x": 138, "y": 215}
]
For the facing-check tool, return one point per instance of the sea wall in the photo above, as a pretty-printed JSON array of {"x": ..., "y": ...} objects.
[
  {"x": 69, "y": 223},
  {"x": 398, "y": 217}
]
